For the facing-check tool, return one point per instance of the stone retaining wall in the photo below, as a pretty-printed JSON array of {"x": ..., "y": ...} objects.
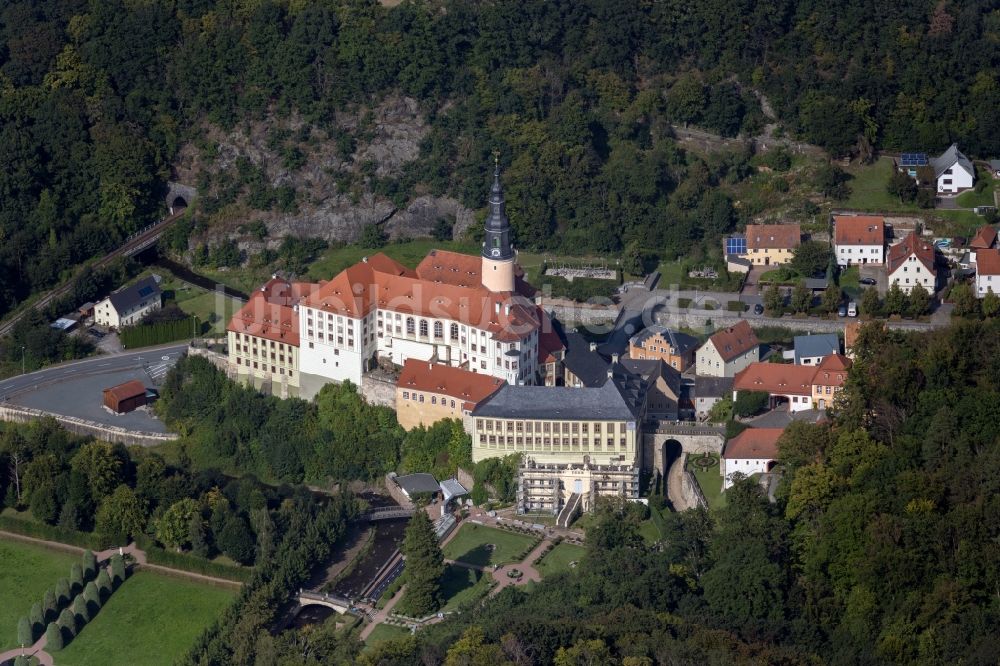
[
  {"x": 101, "y": 431},
  {"x": 378, "y": 390}
]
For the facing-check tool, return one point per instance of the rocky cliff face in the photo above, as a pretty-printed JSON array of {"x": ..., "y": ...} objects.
[{"x": 332, "y": 173}]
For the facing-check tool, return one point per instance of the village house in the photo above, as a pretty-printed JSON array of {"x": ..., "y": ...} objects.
[
  {"x": 987, "y": 272},
  {"x": 429, "y": 392},
  {"x": 707, "y": 391},
  {"x": 912, "y": 262},
  {"x": 753, "y": 451},
  {"x": 829, "y": 379},
  {"x": 674, "y": 348},
  {"x": 770, "y": 244},
  {"x": 859, "y": 239},
  {"x": 953, "y": 171},
  {"x": 728, "y": 351},
  {"x": 786, "y": 384},
  {"x": 985, "y": 238},
  {"x": 811, "y": 349},
  {"x": 128, "y": 306}
]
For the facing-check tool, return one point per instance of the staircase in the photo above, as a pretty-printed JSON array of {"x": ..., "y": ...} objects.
[{"x": 570, "y": 510}]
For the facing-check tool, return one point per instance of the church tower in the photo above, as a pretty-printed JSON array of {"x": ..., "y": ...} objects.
[{"x": 498, "y": 253}]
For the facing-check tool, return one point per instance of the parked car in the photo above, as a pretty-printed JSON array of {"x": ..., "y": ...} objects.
[
  {"x": 868, "y": 281},
  {"x": 758, "y": 309},
  {"x": 852, "y": 309},
  {"x": 94, "y": 332},
  {"x": 842, "y": 311}
]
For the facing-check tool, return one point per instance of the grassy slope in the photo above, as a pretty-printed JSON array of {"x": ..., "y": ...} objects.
[
  {"x": 385, "y": 632},
  {"x": 710, "y": 481},
  {"x": 151, "y": 619},
  {"x": 469, "y": 545},
  {"x": 26, "y": 571}
]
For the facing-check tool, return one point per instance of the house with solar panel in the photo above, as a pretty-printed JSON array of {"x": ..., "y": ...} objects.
[
  {"x": 910, "y": 163},
  {"x": 766, "y": 244},
  {"x": 953, "y": 171},
  {"x": 128, "y": 306}
]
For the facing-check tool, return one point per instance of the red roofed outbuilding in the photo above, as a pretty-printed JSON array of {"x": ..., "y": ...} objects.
[
  {"x": 753, "y": 451},
  {"x": 859, "y": 239},
  {"x": 427, "y": 392},
  {"x": 126, "y": 397}
]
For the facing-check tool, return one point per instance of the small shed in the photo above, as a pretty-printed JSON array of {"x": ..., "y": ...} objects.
[
  {"x": 126, "y": 397},
  {"x": 87, "y": 309},
  {"x": 451, "y": 488}
]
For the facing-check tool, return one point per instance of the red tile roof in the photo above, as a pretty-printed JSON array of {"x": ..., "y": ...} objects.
[
  {"x": 859, "y": 230},
  {"x": 753, "y": 444},
  {"x": 773, "y": 236},
  {"x": 985, "y": 238},
  {"x": 911, "y": 245},
  {"x": 549, "y": 342},
  {"x": 832, "y": 371},
  {"x": 469, "y": 387},
  {"x": 775, "y": 378},
  {"x": 359, "y": 289},
  {"x": 734, "y": 341},
  {"x": 461, "y": 270},
  {"x": 987, "y": 262},
  {"x": 129, "y": 389},
  {"x": 270, "y": 312}
]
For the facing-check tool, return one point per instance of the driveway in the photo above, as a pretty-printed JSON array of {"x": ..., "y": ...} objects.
[{"x": 877, "y": 273}]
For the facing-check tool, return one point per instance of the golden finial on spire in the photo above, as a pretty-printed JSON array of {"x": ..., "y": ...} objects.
[{"x": 496, "y": 159}]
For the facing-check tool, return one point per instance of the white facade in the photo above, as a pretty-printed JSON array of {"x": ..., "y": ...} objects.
[
  {"x": 984, "y": 283},
  {"x": 955, "y": 179},
  {"x": 709, "y": 363},
  {"x": 105, "y": 313},
  {"x": 913, "y": 272},
  {"x": 850, "y": 254},
  {"x": 745, "y": 466},
  {"x": 339, "y": 348}
]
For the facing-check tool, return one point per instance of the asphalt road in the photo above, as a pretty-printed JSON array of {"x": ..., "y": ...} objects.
[{"x": 75, "y": 388}]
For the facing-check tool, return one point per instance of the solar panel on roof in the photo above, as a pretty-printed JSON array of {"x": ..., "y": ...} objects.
[
  {"x": 913, "y": 159},
  {"x": 145, "y": 291},
  {"x": 736, "y": 245}
]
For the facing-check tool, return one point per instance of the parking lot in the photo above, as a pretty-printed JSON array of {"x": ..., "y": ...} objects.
[{"x": 877, "y": 273}]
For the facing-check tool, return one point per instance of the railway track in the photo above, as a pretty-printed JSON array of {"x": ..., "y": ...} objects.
[{"x": 133, "y": 245}]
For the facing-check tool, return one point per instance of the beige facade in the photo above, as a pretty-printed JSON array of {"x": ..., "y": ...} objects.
[
  {"x": 767, "y": 256},
  {"x": 424, "y": 408},
  {"x": 659, "y": 347},
  {"x": 555, "y": 441},
  {"x": 259, "y": 361},
  {"x": 498, "y": 275}
]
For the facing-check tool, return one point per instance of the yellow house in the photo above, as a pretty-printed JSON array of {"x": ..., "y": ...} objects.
[
  {"x": 429, "y": 392},
  {"x": 263, "y": 337},
  {"x": 769, "y": 244},
  {"x": 829, "y": 380}
]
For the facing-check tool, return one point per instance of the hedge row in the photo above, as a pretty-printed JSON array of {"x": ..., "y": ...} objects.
[
  {"x": 192, "y": 563},
  {"x": 52, "y": 533},
  {"x": 147, "y": 335}
]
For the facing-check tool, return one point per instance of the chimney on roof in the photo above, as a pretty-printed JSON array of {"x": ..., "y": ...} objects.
[
  {"x": 364, "y": 260},
  {"x": 593, "y": 346},
  {"x": 614, "y": 359}
]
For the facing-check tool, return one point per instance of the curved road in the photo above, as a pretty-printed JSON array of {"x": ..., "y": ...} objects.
[{"x": 75, "y": 389}]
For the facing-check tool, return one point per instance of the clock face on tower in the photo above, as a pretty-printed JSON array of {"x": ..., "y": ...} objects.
[{"x": 495, "y": 252}]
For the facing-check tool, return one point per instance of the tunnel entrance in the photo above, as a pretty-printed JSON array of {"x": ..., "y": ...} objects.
[
  {"x": 178, "y": 204},
  {"x": 672, "y": 450}
]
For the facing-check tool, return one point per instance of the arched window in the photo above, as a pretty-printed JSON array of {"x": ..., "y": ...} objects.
[
  {"x": 423, "y": 327},
  {"x": 438, "y": 329},
  {"x": 410, "y": 330},
  {"x": 454, "y": 331},
  {"x": 496, "y": 241}
]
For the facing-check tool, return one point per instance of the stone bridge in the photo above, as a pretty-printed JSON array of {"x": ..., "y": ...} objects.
[
  {"x": 666, "y": 442},
  {"x": 310, "y": 598},
  {"x": 385, "y": 513}
]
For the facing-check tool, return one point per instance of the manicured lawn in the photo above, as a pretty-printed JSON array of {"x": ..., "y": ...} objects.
[
  {"x": 151, "y": 619},
  {"x": 461, "y": 585},
  {"x": 26, "y": 571},
  {"x": 385, "y": 632},
  {"x": 409, "y": 254},
  {"x": 472, "y": 545},
  {"x": 649, "y": 532},
  {"x": 972, "y": 198},
  {"x": 557, "y": 560},
  {"x": 710, "y": 481},
  {"x": 868, "y": 188},
  {"x": 213, "y": 309}
]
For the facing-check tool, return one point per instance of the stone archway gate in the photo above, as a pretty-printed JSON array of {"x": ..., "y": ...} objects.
[{"x": 693, "y": 438}]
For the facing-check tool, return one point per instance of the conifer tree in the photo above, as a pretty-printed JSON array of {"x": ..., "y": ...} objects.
[
  {"x": 424, "y": 565},
  {"x": 53, "y": 637}
]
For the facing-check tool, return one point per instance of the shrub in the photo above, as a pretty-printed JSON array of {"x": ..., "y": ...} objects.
[
  {"x": 91, "y": 594},
  {"x": 117, "y": 568},
  {"x": 80, "y": 610},
  {"x": 749, "y": 403},
  {"x": 50, "y": 606},
  {"x": 89, "y": 565},
  {"x": 68, "y": 621},
  {"x": 104, "y": 581},
  {"x": 37, "y": 617},
  {"x": 53, "y": 638},
  {"x": 25, "y": 632},
  {"x": 75, "y": 578},
  {"x": 62, "y": 592}
]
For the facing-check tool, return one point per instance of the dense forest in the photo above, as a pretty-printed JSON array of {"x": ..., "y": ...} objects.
[
  {"x": 881, "y": 548},
  {"x": 97, "y": 97}
]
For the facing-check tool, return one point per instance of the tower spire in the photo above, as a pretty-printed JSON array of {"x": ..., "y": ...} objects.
[{"x": 497, "y": 248}]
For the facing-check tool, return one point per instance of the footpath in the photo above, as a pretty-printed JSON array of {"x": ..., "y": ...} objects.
[{"x": 38, "y": 649}]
